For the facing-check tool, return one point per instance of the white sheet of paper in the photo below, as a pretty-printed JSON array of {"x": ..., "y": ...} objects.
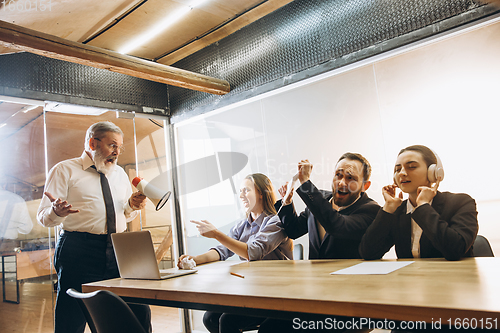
[{"x": 377, "y": 267}]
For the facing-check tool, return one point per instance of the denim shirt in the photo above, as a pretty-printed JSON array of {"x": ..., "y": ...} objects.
[{"x": 265, "y": 237}]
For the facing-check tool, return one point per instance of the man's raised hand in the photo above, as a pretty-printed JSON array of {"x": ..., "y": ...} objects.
[{"x": 60, "y": 207}]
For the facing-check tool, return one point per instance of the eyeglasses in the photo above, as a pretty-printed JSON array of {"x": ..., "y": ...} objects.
[{"x": 114, "y": 147}]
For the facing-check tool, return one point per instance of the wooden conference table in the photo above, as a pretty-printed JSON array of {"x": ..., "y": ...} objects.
[{"x": 426, "y": 290}]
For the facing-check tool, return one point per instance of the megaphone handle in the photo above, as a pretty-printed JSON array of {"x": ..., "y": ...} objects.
[{"x": 164, "y": 246}]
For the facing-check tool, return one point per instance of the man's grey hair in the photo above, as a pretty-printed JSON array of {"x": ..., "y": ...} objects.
[{"x": 99, "y": 130}]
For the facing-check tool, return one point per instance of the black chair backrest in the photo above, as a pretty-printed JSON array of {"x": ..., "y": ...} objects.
[
  {"x": 106, "y": 312},
  {"x": 482, "y": 248}
]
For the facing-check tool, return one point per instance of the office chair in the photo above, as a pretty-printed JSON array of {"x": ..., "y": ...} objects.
[
  {"x": 106, "y": 312},
  {"x": 482, "y": 248}
]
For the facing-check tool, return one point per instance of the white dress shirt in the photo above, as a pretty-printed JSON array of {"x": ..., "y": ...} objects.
[
  {"x": 416, "y": 231},
  {"x": 80, "y": 185}
]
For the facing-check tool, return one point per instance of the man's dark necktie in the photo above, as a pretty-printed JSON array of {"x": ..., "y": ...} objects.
[{"x": 108, "y": 201}]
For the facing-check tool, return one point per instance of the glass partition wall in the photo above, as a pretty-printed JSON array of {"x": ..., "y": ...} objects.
[
  {"x": 154, "y": 166},
  {"x": 33, "y": 142},
  {"x": 26, "y": 246}
]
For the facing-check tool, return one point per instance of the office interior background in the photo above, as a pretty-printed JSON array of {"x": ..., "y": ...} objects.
[{"x": 311, "y": 80}]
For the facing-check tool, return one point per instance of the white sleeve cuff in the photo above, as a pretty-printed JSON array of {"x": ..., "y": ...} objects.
[
  {"x": 56, "y": 219},
  {"x": 128, "y": 210}
]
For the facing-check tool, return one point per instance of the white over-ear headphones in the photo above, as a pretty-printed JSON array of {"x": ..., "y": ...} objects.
[{"x": 435, "y": 172}]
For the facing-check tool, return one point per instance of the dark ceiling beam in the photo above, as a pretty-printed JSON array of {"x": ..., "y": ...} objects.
[{"x": 24, "y": 39}]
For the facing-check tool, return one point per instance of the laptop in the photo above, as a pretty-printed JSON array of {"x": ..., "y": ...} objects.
[{"x": 136, "y": 257}]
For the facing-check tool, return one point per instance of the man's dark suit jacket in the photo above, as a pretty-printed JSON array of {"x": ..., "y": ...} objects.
[
  {"x": 449, "y": 229},
  {"x": 344, "y": 229}
]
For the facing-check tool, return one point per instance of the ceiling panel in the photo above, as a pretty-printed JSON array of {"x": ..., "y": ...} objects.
[
  {"x": 195, "y": 23},
  {"x": 229, "y": 27},
  {"x": 70, "y": 19},
  {"x": 111, "y": 24}
]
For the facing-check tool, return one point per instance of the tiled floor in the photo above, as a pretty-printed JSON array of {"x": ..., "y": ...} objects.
[{"x": 34, "y": 313}]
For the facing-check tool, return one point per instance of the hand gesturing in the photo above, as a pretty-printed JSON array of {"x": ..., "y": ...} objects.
[
  {"x": 206, "y": 228},
  {"x": 391, "y": 201},
  {"x": 305, "y": 169},
  {"x": 282, "y": 192},
  {"x": 60, "y": 207},
  {"x": 425, "y": 194}
]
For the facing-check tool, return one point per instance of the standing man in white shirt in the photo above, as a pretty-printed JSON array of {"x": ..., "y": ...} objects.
[{"x": 91, "y": 197}]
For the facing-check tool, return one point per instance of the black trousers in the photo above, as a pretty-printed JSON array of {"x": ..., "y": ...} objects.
[
  {"x": 83, "y": 258},
  {"x": 216, "y": 322}
]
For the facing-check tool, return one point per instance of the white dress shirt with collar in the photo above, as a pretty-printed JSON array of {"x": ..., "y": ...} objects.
[
  {"x": 416, "y": 231},
  {"x": 76, "y": 182}
]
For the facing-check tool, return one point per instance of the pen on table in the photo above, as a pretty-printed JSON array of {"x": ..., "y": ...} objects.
[{"x": 238, "y": 275}]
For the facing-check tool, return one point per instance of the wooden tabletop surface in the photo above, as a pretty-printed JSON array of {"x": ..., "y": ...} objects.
[{"x": 426, "y": 290}]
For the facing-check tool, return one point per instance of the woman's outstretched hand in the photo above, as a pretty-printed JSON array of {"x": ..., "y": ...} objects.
[{"x": 206, "y": 228}]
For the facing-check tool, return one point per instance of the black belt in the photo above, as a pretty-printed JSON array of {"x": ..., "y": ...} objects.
[{"x": 86, "y": 235}]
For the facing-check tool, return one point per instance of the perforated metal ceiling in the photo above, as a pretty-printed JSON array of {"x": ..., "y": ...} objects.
[
  {"x": 29, "y": 74},
  {"x": 307, "y": 33}
]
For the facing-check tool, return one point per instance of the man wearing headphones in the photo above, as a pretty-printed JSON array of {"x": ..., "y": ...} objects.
[{"x": 429, "y": 224}]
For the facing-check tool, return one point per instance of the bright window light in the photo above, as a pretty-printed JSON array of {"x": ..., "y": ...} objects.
[
  {"x": 18, "y": 100},
  {"x": 169, "y": 20},
  {"x": 24, "y": 109},
  {"x": 74, "y": 109}
]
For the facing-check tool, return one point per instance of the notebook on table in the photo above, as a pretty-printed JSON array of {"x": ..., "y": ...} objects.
[{"x": 136, "y": 259}]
